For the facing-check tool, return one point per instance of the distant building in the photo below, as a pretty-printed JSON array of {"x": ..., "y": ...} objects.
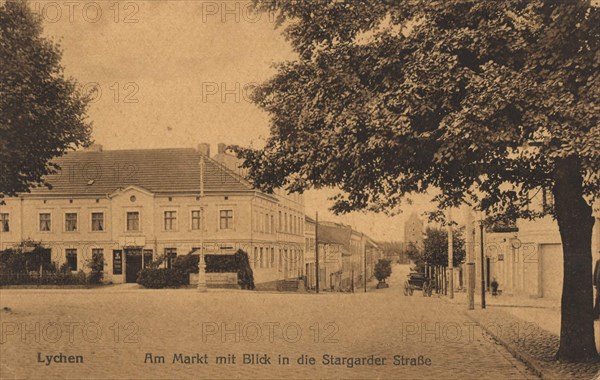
[
  {"x": 131, "y": 206},
  {"x": 413, "y": 230},
  {"x": 352, "y": 255}
]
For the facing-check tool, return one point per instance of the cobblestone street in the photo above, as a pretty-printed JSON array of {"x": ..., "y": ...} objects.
[{"x": 122, "y": 332}]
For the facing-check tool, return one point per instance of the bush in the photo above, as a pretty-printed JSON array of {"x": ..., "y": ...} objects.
[
  {"x": 48, "y": 278},
  {"x": 12, "y": 261},
  {"x": 383, "y": 270},
  {"x": 186, "y": 264},
  {"x": 96, "y": 265},
  {"x": 245, "y": 274},
  {"x": 158, "y": 278},
  {"x": 21, "y": 266},
  {"x": 179, "y": 274}
]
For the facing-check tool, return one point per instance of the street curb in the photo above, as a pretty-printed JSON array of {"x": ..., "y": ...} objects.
[
  {"x": 529, "y": 361},
  {"x": 526, "y": 359}
]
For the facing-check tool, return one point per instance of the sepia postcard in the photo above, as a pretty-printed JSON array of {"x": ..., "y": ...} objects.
[{"x": 300, "y": 189}]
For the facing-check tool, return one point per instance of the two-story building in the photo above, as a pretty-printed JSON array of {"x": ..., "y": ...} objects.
[
  {"x": 132, "y": 206},
  {"x": 329, "y": 258}
]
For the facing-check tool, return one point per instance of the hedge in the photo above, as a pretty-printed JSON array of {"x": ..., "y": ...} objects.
[{"x": 178, "y": 275}]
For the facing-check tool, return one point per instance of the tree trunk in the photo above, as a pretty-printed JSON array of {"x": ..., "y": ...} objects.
[{"x": 575, "y": 222}]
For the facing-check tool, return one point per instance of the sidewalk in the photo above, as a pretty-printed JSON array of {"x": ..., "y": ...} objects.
[{"x": 529, "y": 329}]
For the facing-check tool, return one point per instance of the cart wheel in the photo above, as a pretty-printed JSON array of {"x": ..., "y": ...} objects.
[
  {"x": 410, "y": 291},
  {"x": 405, "y": 289},
  {"x": 429, "y": 291}
]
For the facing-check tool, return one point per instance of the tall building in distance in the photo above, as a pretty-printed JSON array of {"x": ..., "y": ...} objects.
[{"x": 413, "y": 230}]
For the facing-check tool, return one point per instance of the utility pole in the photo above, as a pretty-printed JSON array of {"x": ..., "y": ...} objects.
[
  {"x": 201, "y": 261},
  {"x": 317, "y": 251},
  {"x": 470, "y": 245},
  {"x": 450, "y": 255},
  {"x": 482, "y": 265},
  {"x": 365, "y": 265}
]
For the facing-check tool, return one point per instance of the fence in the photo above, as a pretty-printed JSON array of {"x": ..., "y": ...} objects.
[{"x": 35, "y": 278}]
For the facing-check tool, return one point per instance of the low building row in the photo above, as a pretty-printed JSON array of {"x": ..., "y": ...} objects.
[{"x": 346, "y": 257}]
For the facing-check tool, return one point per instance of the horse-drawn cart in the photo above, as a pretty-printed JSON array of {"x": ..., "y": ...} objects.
[{"x": 415, "y": 281}]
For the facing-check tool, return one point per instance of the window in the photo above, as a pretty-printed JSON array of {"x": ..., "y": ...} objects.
[
  {"x": 4, "y": 223},
  {"x": 97, "y": 221},
  {"x": 272, "y": 257},
  {"x": 280, "y": 260},
  {"x": 285, "y": 220},
  {"x": 261, "y": 257},
  {"x": 255, "y": 257},
  {"x": 280, "y": 224},
  {"x": 272, "y": 224},
  {"x": 71, "y": 255},
  {"x": 45, "y": 222},
  {"x": 133, "y": 221},
  {"x": 547, "y": 201},
  {"x": 71, "y": 221},
  {"x": 196, "y": 220},
  {"x": 98, "y": 256},
  {"x": 170, "y": 255},
  {"x": 226, "y": 219},
  {"x": 170, "y": 220}
]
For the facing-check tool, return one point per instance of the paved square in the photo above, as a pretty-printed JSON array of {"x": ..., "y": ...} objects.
[{"x": 123, "y": 332}]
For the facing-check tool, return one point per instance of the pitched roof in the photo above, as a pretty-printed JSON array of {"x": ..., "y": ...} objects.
[
  {"x": 156, "y": 170},
  {"x": 336, "y": 234}
]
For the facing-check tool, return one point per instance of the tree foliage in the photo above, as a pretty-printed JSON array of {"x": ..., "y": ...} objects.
[
  {"x": 413, "y": 252},
  {"x": 476, "y": 98},
  {"x": 483, "y": 101},
  {"x": 42, "y": 114},
  {"x": 435, "y": 250},
  {"x": 383, "y": 270}
]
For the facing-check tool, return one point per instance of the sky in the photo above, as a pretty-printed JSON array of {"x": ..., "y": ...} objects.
[{"x": 176, "y": 73}]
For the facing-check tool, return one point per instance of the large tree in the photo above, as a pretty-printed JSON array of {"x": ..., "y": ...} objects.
[
  {"x": 484, "y": 101},
  {"x": 435, "y": 247},
  {"x": 42, "y": 114}
]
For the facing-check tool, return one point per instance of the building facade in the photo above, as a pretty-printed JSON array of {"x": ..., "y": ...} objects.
[
  {"x": 133, "y": 206},
  {"x": 357, "y": 251},
  {"x": 526, "y": 260}
]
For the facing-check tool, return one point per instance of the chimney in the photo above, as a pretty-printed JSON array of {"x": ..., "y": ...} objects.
[
  {"x": 222, "y": 148},
  {"x": 204, "y": 148},
  {"x": 94, "y": 148}
]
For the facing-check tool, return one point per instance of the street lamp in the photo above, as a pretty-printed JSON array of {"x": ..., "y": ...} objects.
[
  {"x": 201, "y": 263},
  {"x": 450, "y": 255},
  {"x": 482, "y": 265}
]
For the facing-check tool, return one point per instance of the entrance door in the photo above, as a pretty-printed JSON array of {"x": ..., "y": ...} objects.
[{"x": 133, "y": 264}]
